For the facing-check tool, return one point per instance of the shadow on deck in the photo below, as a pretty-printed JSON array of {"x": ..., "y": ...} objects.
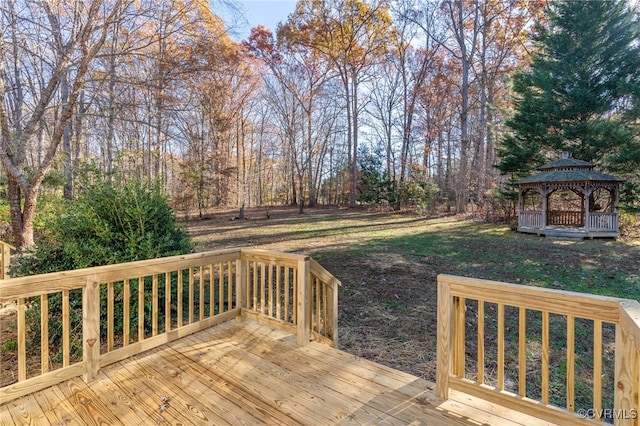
[{"x": 244, "y": 372}]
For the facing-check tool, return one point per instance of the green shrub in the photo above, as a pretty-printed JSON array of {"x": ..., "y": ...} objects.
[{"x": 106, "y": 225}]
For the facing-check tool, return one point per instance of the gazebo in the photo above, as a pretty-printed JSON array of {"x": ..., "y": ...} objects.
[{"x": 569, "y": 199}]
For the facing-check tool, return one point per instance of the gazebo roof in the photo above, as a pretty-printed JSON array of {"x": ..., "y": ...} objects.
[
  {"x": 568, "y": 169},
  {"x": 563, "y": 163},
  {"x": 570, "y": 176}
]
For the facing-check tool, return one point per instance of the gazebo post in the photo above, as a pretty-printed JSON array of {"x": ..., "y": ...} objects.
[
  {"x": 616, "y": 202},
  {"x": 544, "y": 191},
  {"x": 587, "y": 209}
]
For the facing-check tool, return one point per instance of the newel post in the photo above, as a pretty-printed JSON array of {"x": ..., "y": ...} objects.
[
  {"x": 304, "y": 287},
  {"x": 91, "y": 328},
  {"x": 332, "y": 312},
  {"x": 5, "y": 254},
  {"x": 444, "y": 342},
  {"x": 627, "y": 363},
  {"x": 241, "y": 286}
]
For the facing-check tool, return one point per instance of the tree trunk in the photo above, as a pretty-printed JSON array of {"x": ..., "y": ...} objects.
[{"x": 353, "y": 175}]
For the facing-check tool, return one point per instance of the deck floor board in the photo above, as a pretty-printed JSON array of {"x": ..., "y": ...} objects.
[{"x": 248, "y": 373}]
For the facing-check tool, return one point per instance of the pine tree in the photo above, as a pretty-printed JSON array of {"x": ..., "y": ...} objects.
[{"x": 581, "y": 93}]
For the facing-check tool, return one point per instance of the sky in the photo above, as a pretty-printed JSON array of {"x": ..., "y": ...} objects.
[{"x": 265, "y": 12}]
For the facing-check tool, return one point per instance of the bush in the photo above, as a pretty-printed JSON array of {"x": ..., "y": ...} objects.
[
  {"x": 374, "y": 185},
  {"x": 629, "y": 225},
  {"x": 106, "y": 225},
  {"x": 419, "y": 191}
]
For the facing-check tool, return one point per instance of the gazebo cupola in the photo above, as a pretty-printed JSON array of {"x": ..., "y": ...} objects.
[{"x": 568, "y": 198}]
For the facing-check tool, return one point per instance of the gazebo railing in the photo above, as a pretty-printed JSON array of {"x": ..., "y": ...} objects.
[
  {"x": 606, "y": 221},
  {"x": 530, "y": 219},
  {"x": 597, "y": 221},
  {"x": 565, "y": 218}
]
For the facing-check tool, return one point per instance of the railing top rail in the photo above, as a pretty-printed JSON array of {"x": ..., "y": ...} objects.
[
  {"x": 35, "y": 285},
  {"x": 323, "y": 274},
  {"x": 273, "y": 254},
  {"x": 7, "y": 245},
  {"x": 285, "y": 259},
  {"x": 561, "y": 302}
]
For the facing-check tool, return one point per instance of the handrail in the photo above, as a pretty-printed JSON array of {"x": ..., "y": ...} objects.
[
  {"x": 104, "y": 314},
  {"x": 541, "y": 319}
]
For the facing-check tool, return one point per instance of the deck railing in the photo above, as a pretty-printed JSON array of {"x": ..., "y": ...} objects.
[
  {"x": 570, "y": 358},
  {"x": 273, "y": 295},
  {"x": 75, "y": 322}
]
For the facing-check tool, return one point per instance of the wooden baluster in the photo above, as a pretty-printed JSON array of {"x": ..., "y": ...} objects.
[
  {"x": 179, "y": 297},
  {"x": 522, "y": 352},
  {"x": 140, "y": 309},
  {"x": 201, "y": 294},
  {"x": 44, "y": 333},
  {"x": 110, "y": 316},
  {"x": 325, "y": 312},
  {"x": 571, "y": 344},
  {"x": 480, "y": 378},
  {"x": 295, "y": 296},
  {"x": 500, "y": 346},
  {"x": 278, "y": 293},
  {"x": 22, "y": 340},
  {"x": 126, "y": 314},
  {"x": 545, "y": 357},
  {"x": 167, "y": 302},
  {"x": 220, "y": 287},
  {"x": 459, "y": 337},
  {"x": 287, "y": 285},
  {"x": 263, "y": 271},
  {"x": 230, "y": 276},
  {"x": 254, "y": 307},
  {"x": 597, "y": 368},
  {"x": 270, "y": 285},
  {"x": 212, "y": 294},
  {"x": 66, "y": 329},
  {"x": 318, "y": 311},
  {"x": 154, "y": 305},
  {"x": 191, "y": 295}
]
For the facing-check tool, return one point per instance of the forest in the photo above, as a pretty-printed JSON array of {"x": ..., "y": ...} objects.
[{"x": 396, "y": 103}]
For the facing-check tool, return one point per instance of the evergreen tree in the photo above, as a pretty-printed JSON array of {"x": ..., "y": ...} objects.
[{"x": 581, "y": 93}]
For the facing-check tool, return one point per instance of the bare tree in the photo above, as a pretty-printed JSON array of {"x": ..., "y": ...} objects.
[{"x": 74, "y": 33}]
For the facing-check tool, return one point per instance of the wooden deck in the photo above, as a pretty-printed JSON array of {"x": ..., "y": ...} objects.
[{"x": 249, "y": 373}]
